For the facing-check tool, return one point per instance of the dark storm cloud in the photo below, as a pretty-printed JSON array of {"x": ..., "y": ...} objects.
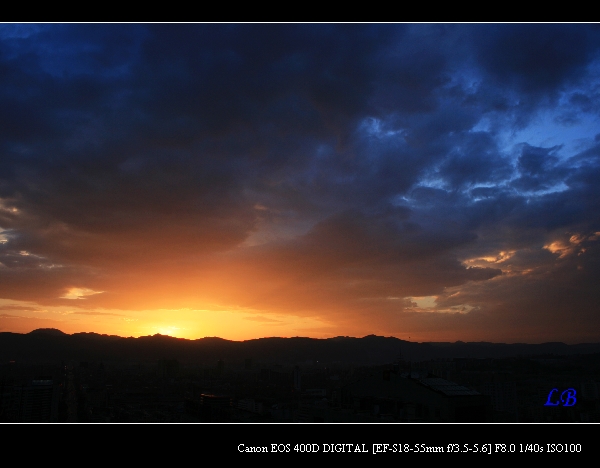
[
  {"x": 512, "y": 71},
  {"x": 307, "y": 78},
  {"x": 139, "y": 151},
  {"x": 474, "y": 160},
  {"x": 539, "y": 169},
  {"x": 554, "y": 298},
  {"x": 536, "y": 59}
]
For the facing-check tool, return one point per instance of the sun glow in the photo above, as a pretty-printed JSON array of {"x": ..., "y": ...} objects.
[{"x": 170, "y": 331}]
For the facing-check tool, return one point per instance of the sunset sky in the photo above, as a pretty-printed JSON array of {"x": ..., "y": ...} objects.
[{"x": 437, "y": 182}]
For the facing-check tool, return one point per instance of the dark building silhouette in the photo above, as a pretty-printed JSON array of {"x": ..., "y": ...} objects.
[
  {"x": 504, "y": 400},
  {"x": 416, "y": 397},
  {"x": 297, "y": 377},
  {"x": 215, "y": 408},
  {"x": 35, "y": 401},
  {"x": 40, "y": 401}
]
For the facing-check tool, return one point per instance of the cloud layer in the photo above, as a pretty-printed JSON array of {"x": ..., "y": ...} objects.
[{"x": 327, "y": 173}]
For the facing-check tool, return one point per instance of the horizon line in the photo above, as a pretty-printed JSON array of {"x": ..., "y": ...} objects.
[{"x": 54, "y": 330}]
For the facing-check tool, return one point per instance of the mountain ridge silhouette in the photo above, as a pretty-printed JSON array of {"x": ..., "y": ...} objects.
[{"x": 46, "y": 345}]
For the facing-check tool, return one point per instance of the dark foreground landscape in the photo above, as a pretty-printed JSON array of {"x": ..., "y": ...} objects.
[{"x": 49, "y": 376}]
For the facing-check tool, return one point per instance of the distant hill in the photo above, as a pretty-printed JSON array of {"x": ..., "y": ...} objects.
[
  {"x": 47, "y": 331},
  {"x": 51, "y": 345}
]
